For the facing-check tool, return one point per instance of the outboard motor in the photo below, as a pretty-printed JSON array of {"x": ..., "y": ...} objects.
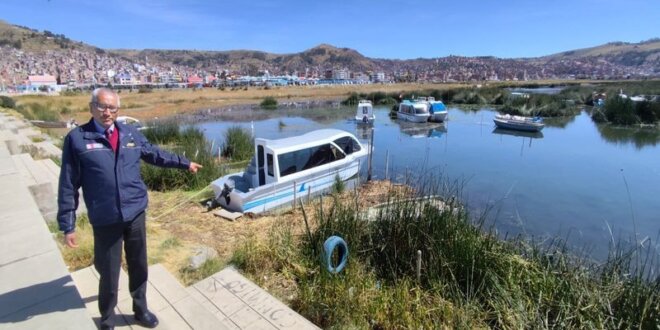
[{"x": 226, "y": 190}]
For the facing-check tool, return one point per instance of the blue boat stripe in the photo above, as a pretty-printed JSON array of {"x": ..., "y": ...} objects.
[{"x": 267, "y": 200}]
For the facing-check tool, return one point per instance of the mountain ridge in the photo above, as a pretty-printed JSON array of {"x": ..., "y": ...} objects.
[{"x": 611, "y": 60}]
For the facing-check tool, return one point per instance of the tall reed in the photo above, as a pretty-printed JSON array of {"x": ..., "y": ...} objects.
[
  {"x": 469, "y": 277},
  {"x": 189, "y": 142}
]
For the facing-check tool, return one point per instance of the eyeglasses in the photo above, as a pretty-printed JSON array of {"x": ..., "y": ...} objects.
[{"x": 102, "y": 107}]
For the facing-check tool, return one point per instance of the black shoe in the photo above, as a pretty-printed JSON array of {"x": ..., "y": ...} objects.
[{"x": 146, "y": 319}]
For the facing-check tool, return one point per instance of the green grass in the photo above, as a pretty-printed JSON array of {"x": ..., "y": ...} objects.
[
  {"x": 469, "y": 277},
  {"x": 190, "y": 276}
]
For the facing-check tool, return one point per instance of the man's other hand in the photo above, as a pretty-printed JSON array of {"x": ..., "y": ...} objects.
[
  {"x": 194, "y": 167},
  {"x": 70, "y": 240}
]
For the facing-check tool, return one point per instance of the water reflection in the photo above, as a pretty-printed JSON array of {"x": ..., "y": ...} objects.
[
  {"x": 560, "y": 122},
  {"x": 531, "y": 135},
  {"x": 639, "y": 137},
  {"x": 422, "y": 130}
]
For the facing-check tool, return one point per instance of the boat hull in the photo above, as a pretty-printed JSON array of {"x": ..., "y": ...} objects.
[
  {"x": 270, "y": 196},
  {"x": 365, "y": 120},
  {"x": 526, "y": 126},
  {"x": 439, "y": 117},
  {"x": 413, "y": 118}
]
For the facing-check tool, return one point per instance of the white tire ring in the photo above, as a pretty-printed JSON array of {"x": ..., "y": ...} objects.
[{"x": 332, "y": 243}]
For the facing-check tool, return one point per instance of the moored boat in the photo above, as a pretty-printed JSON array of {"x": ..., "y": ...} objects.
[
  {"x": 437, "y": 110},
  {"x": 413, "y": 111},
  {"x": 520, "y": 123},
  {"x": 365, "y": 113},
  {"x": 126, "y": 120},
  {"x": 284, "y": 169}
]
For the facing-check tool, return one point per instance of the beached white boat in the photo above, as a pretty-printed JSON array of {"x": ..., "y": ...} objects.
[
  {"x": 413, "y": 111},
  {"x": 437, "y": 110},
  {"x": 294, "y": 166},
  {"x": 365, "y": 113},
  {"x": 520, "y": 123}
]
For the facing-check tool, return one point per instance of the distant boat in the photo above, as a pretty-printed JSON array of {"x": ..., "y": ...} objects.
[
  {"x": 284, "y": 168},
  {"x": 520, "y": 123},
  {"x": 126, "y": 120},
  {"x": 365, "y": 113},
  {"x": 437, "y": 109},
  {"x": 414, "y": 111}
]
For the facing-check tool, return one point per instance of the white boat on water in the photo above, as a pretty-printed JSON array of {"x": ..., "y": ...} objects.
[
  {"x": 437, "y": 110},
  {"x": 520, "y": 123},
  {"x": 414, "y": 111},
  {"x": 365, "y": 113},
  {"x": 294, "y": 166},
  {"x": 126, "y": 120}
]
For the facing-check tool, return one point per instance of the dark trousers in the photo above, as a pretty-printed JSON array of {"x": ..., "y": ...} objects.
[{"x": 107, "y": 261}]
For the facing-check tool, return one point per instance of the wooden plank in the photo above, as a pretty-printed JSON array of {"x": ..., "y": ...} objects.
[{"x": 227, "y": 214}]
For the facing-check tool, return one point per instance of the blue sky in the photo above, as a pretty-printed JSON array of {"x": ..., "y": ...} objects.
[{"x": 381, "y": 29}]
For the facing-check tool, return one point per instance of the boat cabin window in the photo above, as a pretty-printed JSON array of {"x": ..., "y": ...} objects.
[
  {"x": 348, "y": 144},
  {"x": 269, "y": 163},
  {"x": 300, "y": 160},
  {"x": 365, "y": 110},
  {"x": 260, "y": 164}
]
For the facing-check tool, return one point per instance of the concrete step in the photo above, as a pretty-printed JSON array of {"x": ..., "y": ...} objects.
[
  {"x": 54, "y": 171},
  {"x": 234, "y": 298},
  {"x": 29, "y": 132},
  {"x": 36, "y": 290},
  {"x": 167, "y": 298},
  {"x": 48, "y": 149},
  {"x": 19, "y": 164},
  {"x": 40, "y": 182}
]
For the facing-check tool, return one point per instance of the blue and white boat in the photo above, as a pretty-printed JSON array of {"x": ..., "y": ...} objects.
[
  {"x": 520, "y": 123},
  {"x": 289, "y": 168},
  {"x": 437, "y": 110},
  {"x": 365, "y": 113},
  {"x": 413, "y": 111}
]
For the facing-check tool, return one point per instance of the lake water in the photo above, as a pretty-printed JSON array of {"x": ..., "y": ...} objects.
[{"x": 573, "y": 180}]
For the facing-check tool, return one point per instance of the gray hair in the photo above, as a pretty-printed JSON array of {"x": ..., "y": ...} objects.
[{"x": 97, "y": 91}]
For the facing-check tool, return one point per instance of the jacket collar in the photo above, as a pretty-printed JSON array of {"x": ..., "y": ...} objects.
[{"x": 91, "y": 132}]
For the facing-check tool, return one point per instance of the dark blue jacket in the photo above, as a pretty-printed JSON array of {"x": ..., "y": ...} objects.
[{"x": 111, "y": 184}]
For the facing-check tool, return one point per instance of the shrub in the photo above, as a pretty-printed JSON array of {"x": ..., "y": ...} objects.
[
  {"x": 269, "y": 103},
  {"x": 7, "y": 102},
  {"x": 620, "y": 111}
]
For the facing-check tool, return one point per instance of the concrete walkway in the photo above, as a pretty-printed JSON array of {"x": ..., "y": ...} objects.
[{"x": 36, "y": 289}]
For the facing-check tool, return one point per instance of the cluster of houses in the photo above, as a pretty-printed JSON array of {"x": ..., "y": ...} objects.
[{"x": 54, "y": 71}]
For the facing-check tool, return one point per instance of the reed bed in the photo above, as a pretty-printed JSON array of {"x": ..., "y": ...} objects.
[
  {"x": 469, "y": 277},
  {"x": 189, "y": 142}
]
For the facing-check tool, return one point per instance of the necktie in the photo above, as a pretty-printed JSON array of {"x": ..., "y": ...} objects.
[{"x": 113, "y": 138}]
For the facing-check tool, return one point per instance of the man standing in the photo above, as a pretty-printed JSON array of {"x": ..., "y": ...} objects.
[{"x": 103, "y": 157}]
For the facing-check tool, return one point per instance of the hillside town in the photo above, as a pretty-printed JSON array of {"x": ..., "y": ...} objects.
[{"x": 56, "y": 69}]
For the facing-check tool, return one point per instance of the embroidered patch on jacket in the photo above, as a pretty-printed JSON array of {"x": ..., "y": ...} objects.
[{"x": 90, "y": 146}]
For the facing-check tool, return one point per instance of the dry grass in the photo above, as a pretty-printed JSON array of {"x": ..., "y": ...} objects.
[
  {"x": 164, "y": 103},
  {"x": 190, "y": 225}
]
